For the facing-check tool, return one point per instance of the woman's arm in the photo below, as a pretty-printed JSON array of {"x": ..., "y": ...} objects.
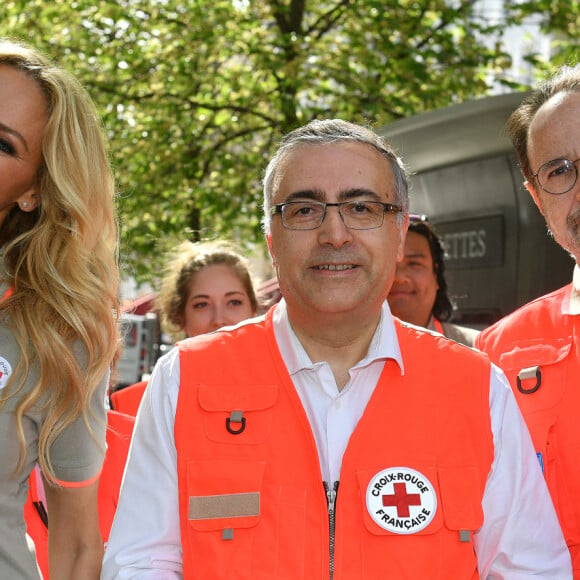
[{"x": 75, "y": 546}]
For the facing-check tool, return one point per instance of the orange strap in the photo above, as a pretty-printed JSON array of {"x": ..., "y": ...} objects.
[{"x": 438, "y": 326}]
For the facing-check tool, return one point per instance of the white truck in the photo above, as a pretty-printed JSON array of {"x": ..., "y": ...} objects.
[{"x": 141, "y": 337}]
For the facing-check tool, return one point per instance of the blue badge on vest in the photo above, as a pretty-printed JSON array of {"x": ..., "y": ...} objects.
[{"x": 540, "y": 459}]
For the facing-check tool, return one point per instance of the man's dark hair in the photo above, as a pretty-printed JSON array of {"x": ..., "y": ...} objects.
[{"x": 442, "y": 309}]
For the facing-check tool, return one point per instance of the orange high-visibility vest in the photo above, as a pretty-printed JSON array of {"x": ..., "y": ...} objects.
[
  {"x": 128, "y": 399},
  {"x": 252, "y": 503},
  {"x": 538, "y": 347},
  {"x": 119, "y": 433}
]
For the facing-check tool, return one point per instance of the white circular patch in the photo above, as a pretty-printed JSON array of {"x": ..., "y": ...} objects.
[
  {"x": 401, "y": 500},
  {"x": 5, "y": 372}
]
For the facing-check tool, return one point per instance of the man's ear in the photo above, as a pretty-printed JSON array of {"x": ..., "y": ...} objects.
[{"x": 530, "y": 187}]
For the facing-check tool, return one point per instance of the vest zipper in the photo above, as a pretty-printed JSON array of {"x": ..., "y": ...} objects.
[{"x": 331, "y": 501}]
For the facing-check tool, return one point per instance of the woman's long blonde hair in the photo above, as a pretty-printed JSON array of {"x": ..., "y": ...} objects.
[{"x": 61, "y": 259}]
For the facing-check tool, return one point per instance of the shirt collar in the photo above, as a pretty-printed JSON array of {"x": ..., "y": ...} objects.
[{"x": 384, "y": 344}]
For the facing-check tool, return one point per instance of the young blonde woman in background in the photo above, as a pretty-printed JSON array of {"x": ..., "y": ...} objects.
[{"x": 207, "y": 285}]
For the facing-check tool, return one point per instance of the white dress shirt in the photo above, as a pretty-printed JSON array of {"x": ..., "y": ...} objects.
[{"x": 520, "y": 536}]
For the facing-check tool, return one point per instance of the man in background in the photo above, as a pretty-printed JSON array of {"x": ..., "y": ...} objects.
[{"x": 419, "y": 291}]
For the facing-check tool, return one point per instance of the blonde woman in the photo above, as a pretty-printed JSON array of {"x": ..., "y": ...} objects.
[
  {"x": 207, "y": 285},
  {"x": 58, "y": 288}
]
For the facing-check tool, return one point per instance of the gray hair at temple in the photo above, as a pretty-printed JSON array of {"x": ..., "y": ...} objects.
[{"x": 329, "y": 131}]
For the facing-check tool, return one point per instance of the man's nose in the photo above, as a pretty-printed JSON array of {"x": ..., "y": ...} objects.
[
  {"x": 332, "y": 230},
  {"x": 576, "y": 189},
  {"x": 401, "y": 273}
]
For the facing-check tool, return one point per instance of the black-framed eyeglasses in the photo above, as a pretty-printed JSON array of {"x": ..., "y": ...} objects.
[
  {"x": 356, "y": 214},
  {"x": 557, "y": 176}
]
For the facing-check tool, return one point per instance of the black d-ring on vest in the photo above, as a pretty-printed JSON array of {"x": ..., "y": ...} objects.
[
  {"x": 236, "y": 417},
  {"x": 529, "y": 373}
]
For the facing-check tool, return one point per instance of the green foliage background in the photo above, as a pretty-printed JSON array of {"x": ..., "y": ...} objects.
[{"x": 194, "y": 94}]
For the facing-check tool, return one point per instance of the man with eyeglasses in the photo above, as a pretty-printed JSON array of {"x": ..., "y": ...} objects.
[
  {"x": 538, "y": 345},
  {"x": 326, "y": 439}
]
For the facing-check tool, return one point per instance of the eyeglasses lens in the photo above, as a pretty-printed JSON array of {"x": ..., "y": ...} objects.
[
  {"x": 356, "y": 215},
  {"x": 558, "y": 176}
]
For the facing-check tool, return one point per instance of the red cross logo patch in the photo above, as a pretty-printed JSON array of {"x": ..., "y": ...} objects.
[
  {"x": 401, "y": 500},
  {"x": 5, "y": 371}
]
